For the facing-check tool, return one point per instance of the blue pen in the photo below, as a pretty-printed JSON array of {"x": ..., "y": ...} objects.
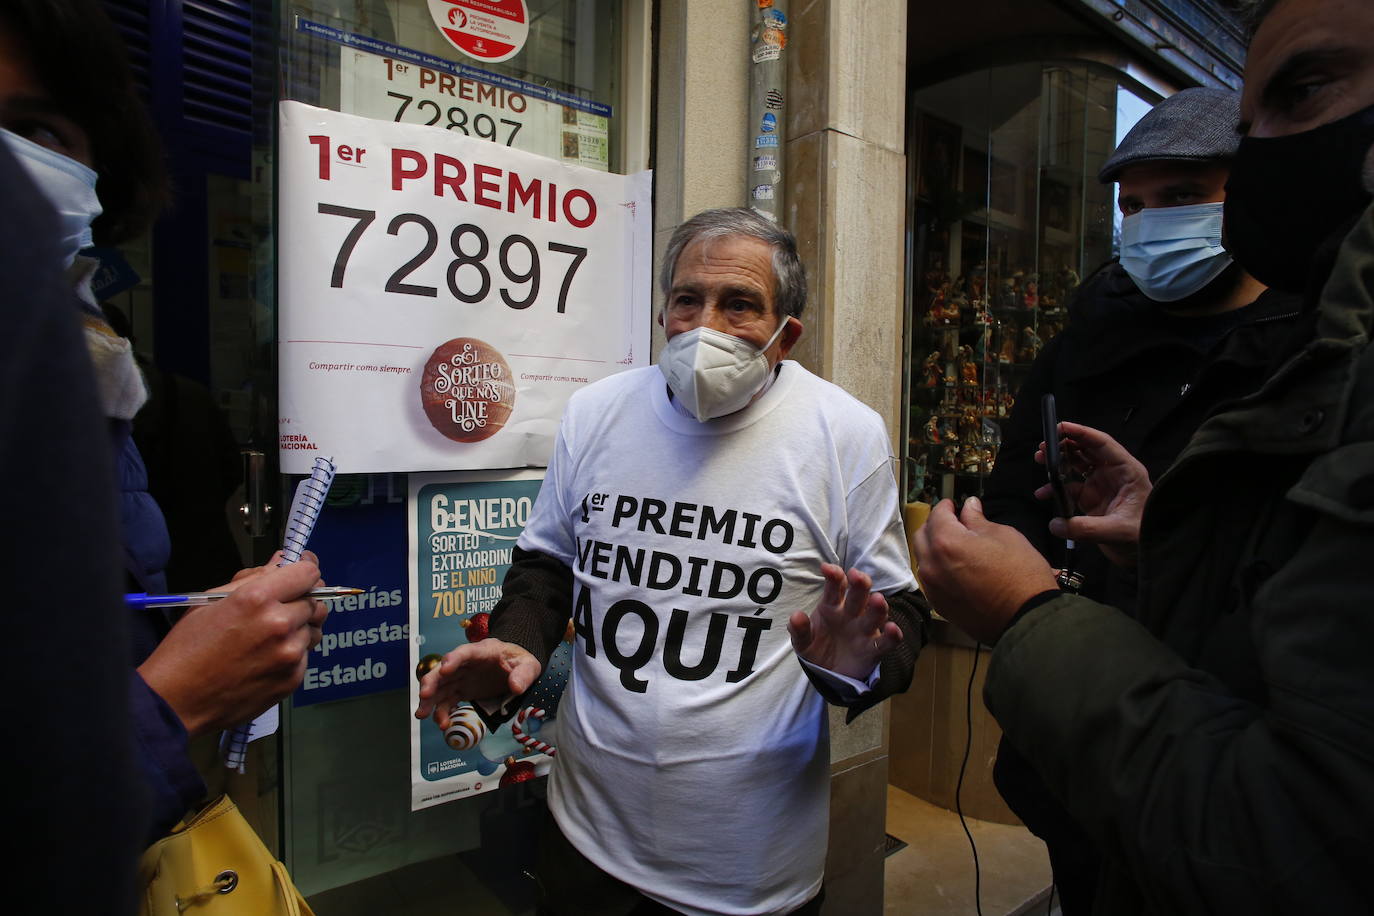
[{"x": 192, "y": 599}]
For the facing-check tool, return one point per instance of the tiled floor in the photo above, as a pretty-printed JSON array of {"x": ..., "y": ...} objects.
[{"x": 933, "y": 875}]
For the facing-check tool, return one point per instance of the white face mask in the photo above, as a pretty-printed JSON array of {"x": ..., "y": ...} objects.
[
  {"x": 67, "y": 184},
  {"x": 712, "y": 373},
  {"x": 1172, "y": 252}
]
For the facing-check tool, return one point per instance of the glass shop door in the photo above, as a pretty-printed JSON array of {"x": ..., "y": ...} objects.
[{"x": 350, "y": 839}]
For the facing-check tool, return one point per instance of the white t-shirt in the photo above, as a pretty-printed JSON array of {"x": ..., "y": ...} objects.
[{"x": 693, "y": 754}]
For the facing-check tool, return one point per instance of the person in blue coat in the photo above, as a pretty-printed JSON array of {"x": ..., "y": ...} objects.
[{"x": 71, "y": 117}]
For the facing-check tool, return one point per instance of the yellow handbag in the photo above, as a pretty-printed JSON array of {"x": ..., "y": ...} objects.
[{"x": 213, "y": 863}]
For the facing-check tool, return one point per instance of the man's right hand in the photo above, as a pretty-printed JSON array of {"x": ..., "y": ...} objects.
[
  {"x": 484, "y": 670},
  {"x": 1110, "y": 488},
  {"x": 225, "y": 662}
]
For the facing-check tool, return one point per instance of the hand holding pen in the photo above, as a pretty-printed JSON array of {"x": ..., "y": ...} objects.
[
  {"x": 195, "y": 599},
  {"x": 224, "y": 662}
]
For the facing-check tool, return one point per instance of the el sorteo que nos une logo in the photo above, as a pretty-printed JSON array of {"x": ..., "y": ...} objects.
[{"x": 467, "y": 390}]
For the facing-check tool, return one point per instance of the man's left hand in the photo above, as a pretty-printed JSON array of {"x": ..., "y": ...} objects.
[
  {"x": 848, "y": 632},
  {"x": 977, "y": 573}
]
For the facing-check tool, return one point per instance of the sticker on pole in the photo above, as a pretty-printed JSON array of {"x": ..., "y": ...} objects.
[{"x": 489, "y": 30}]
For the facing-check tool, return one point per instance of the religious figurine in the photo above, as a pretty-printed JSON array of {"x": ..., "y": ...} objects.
[
  {"x": 1031, "y": 298},
  {"x": 970, "y": 426},
  {"x": 949, "y": 344},
  {"x": 954, "y": 306},
  {"x": 1008, "y": 401},
  {"x": 944, "y": 309},
  {"x": 977, "y": 285},
  {"x": 1030, "y": 345},
  {"x": 935, "y": 279},
  {"x": 918, "y": 477},
  {"x": 1010, "y": 297},
  {"x": 949, "y": 455},
  {"x": 1006, "y": 353},
  {"x": 948, "y": 430},
  {"x": 968, "y": 369},
  {"x": 969, "y": 461},
  {"x": 991, "y": 434},
  {"x": 982, "y": 317},
  {"x": 927, "y": 496},
  {"x": 931, "y": 370},
  {"x": 987, "y": 457},
  {"x": 980, "y": 343},
  {"x": 933, "y": 430},
  {"x": 936, "y": 312}
]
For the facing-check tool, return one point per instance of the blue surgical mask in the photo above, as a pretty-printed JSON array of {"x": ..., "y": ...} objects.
[
  {"x": 1172, "y": 252},
  {"x": 67, "y": 184}
]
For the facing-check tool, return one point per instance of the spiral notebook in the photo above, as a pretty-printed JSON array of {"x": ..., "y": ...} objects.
[{"x": 300, "y": 523}]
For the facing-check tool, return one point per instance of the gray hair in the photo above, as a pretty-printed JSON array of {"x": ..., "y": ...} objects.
[{"x": 788, "y": 272}]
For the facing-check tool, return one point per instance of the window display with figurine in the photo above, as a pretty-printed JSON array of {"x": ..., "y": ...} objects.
[{"x": 1007, "y": 217}]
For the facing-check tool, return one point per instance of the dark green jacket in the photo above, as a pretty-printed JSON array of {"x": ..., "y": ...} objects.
[{"x": 1221, "y": 749}]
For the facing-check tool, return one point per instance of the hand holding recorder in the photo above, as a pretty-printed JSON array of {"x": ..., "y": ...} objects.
[{"x": 1099, "y": 479}]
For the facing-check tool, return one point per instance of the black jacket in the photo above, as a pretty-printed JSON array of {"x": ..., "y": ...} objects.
[
  {"x": 75, "y": 806},
  {"x": 1221, "y": 749},
  {"x": 1146, "y": 378}
]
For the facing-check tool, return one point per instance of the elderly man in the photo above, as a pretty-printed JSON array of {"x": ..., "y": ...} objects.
[
  {"x": 1219, "y": 750},
  {"x": 1140, "y": 361},
  {"x": 689, "y": 510}
]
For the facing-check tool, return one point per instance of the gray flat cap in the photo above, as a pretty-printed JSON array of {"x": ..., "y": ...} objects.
[{"x": 1196, "y": 124}]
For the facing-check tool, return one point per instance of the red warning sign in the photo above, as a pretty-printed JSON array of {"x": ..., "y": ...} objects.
[{"x": 488, "y": 30}]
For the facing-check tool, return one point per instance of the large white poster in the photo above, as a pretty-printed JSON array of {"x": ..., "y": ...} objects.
[{"x": 441, "y": 297}]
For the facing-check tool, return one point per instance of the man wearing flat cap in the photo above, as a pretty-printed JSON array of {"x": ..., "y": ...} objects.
[
  {"x": 1154, "y": 342},
  {"x": 1217, "y": 743}
]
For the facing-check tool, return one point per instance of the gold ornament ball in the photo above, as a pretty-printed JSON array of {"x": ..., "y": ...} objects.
[{"x": 426, "y": 665}]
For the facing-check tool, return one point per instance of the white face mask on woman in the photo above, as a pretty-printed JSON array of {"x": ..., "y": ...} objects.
[
  {"x": 713, "y": 373},
  {"x": 67, "y": 184},
  {"x": 1172, "y": 252}
]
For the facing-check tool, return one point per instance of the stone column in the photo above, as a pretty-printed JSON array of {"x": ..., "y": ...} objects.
[{"x": 846, "y": 202}]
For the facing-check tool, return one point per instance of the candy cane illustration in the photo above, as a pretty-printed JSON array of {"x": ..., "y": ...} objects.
[{"x": 530, "y": 742}]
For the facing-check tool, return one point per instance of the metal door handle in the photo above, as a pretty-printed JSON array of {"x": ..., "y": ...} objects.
[{"x": 256, "y": 513}]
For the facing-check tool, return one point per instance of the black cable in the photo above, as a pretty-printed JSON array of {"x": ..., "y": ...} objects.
[{"x": 959, "y": 786}]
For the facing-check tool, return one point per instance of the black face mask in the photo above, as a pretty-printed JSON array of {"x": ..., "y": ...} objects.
[{"x": 1288, "y": 195}]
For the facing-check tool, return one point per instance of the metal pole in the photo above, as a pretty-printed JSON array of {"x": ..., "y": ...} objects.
[{"x": 767, "y": 88}]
